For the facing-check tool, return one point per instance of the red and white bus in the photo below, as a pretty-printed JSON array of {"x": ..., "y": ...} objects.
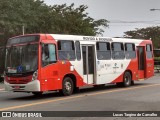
[{"x": 46, "y": 62}]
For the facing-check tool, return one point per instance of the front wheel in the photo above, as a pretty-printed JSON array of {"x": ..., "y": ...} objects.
[
  {"x": 67, "y": 86},
  {"x": 127, "y": 79}
]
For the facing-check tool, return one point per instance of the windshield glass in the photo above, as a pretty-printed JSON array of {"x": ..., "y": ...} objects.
[{"x": 21, "y": 59}]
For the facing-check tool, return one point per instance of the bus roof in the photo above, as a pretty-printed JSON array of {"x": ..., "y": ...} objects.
[
  {"x": 94, "y": 38},
  {"x": 85, "y": 38}
]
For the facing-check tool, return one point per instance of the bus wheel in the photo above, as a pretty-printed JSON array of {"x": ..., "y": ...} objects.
[
  {"x": 127, "y": 79},
  {"x": 67, "y": 86},
  {"x": 37, "y": 93}
]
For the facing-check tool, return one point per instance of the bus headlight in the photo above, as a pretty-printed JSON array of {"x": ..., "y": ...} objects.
[{"x": 35, "y": 75}]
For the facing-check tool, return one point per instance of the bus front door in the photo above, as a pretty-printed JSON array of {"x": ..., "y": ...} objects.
[
  {"x": 141, "y": 62},
  {"x": 88, "y": 54}
]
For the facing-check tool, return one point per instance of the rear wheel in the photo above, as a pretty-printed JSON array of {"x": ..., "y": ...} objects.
[
  {"x": 67, "y": 86},
  {"x": 127, "y": 79}
]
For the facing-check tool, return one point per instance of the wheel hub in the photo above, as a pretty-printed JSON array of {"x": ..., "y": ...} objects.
[{"x": 68, "y": 86}]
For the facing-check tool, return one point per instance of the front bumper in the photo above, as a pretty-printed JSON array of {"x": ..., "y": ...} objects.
[{"x": 29, "y": 87}]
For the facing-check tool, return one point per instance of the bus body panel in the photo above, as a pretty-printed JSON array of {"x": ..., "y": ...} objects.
[{"x": 110, "y": 70}]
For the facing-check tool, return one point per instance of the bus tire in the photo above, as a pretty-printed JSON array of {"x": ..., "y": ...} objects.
[
  {"x": 127, "y": 79},
  {"x": 37, "y": 93},
  {"x": 67, "y": 86}
]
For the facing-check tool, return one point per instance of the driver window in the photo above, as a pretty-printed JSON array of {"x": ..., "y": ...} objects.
[{"x": 48, "y": 54}]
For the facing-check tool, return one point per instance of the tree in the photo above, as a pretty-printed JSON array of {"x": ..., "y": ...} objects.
[
  {"x": 37, "y": 17},
  {"x": 70, "y": 20},
  {"x": 152, "y": 33},
  {"x": 17, "y": 13}
]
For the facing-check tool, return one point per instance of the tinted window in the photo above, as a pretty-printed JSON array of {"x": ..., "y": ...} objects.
[
  {"x": 149, "y": 48},
  {"x": 118, "y": 51},
  {"x": 149, "y": 51},
  {"x": 141, "y": 59},
  {"x": 23, "y": 39},
  {"x": 21, "y": 59},
  {"x": 117, "y": 46},
  {"x": 78, "y": 50},
  {"x": 48, "y": 54},
  {"x": 66, "y": 50},
  {"x": 130, "y": 51},
  {"x": 103, "y": 51}
]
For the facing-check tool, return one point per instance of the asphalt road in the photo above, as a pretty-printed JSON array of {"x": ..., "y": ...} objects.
[{"x": 143, "y": 96}]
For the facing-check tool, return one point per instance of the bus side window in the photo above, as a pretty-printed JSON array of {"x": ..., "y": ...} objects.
[
  {"x": 66, "y": 50},
  {"x": 130, "y": 51},
  {"x": 103, "y": 51},
  {"x": 48, "y": 54},
  {"x": 78, "y": 50},
  {"x": 149, "y": 51},
  {"x": 117, "y": 51}
]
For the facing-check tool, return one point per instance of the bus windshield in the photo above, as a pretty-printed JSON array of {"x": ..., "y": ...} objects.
[{"x": 22, "y": 59}]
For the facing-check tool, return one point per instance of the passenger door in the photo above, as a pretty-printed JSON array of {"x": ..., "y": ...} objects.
[
  {"x": 88, "y": 54},
  {"x": 145, "y": 61},
  {"x": 141, "y": 62},
  {"x": 49, "y": 69}
]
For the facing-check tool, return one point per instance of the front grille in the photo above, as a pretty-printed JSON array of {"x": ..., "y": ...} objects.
[
  {"x": 15, "y": 75},
  {"x": 22, "y": 81}
]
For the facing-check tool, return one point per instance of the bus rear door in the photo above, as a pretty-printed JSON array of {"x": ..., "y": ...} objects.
[
  {"x": 141, "y": 62},
  {"x": 145, "y": 62}
]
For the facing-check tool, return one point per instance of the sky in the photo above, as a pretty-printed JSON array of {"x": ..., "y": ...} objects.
[{"x": 124, "y": 15}]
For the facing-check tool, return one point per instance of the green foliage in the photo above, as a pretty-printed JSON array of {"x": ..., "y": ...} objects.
[
  {"x": 70, "y": 20},
  {"x": 17, "y": 13},
  {"x": 152, "y": 33},
  {"x": 37, "y": 17},
  {"x": 157, "y": 58}
]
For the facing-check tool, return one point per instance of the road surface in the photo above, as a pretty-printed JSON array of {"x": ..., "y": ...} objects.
[{"x": 143, "y": 96}]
